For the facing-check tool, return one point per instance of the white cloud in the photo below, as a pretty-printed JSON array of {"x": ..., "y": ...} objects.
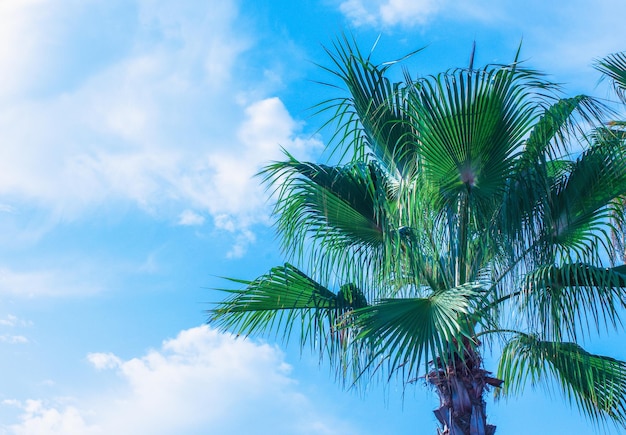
[
  {"x": 23, "y": 44},
  {"x": 10, "y": 320},
  {"x": 232, "y": 188},
  {"x": 169, "y": 123},
  {"x": 562, "y": 38},
  {"x": 408, "y": 12},
  {"x": 200, "y": 382},
  {"x": 570, "y": 48},
  {"x": 13, "y": 322},
  {"x": 358, "y": 14},
  {"x": 102, "y": 361},
  {"x": 37, "y": 419},
  {"x": 13, "y": 339},
  {"x": 201, "y": 31},
  {"x": 45, "y": 283},
  {"x": 388, "y": 13},
  {"x": 242, "y": 241},
  {"x": 190, "y": 218}
]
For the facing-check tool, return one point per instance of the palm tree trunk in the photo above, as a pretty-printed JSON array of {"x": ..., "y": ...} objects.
[{"x": 461, "y": 385}]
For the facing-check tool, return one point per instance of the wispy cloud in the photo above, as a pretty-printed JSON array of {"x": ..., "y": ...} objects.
[
  {"x": 229, "y": 187},
  {"x": 11, "y": 320},
  {"x": 13, "y": 339},
  {"x": 24, "y": 44},
  {"x": 387, "y": 13},
  {"x": 190, "y": 218},
  {"x": 47, "y": 283},
  {"x": 103, "y": 361},
  {"x": 13, "y": 323}
]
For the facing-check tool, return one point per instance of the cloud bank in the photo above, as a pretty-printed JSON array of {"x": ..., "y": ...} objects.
[
  {"x": 166, "y": 119},
  {"x": 200, "y": 382}
]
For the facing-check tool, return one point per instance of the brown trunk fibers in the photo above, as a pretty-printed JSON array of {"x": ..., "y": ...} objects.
[{"x": 461, "y": 384}]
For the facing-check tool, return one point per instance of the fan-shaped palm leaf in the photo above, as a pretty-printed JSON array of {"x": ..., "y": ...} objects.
[
  {"x": 574, "y": 298},
  {"x": 470, "y": 124},
  {"x": 285, "y": 297},
  {"x": 596, "y": 384},
  {"x": 335, "y": 212},
  {"x": 582, "y": 201},
  {"x": 373, "y": 118},
  {"x": 408, "y": 332}
]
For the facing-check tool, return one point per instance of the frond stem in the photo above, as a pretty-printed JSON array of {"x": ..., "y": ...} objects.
[{"x": 499, "y": 331}]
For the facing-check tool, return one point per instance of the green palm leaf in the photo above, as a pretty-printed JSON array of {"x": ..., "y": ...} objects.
[
  {"x": 582, "y": 201},
  {"x": 594, "y": 383},
  {"x": 316, "y": 199},
  {"x": 557, "y": 124},
  {"x": 470, "y": 124},
  {"x": 538, "y": 169},
  {"x": 335, "y": 213},
  {"x": 373, "y": 118},
  {"x": 574, "y": 298},
  {"x": 408, "y": 332},
  {"x": 613, "y": 66},
  {"x": 283, "y": 298}
]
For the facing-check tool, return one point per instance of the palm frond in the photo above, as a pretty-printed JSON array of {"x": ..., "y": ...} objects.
[
  {"x": 613, "y": 66},
  {"x": 331, "y": 215},
  {"x": 539, "y": 168},
  {"x": 339, "y": 199},
  {"x": 559, "y": 123},
  {"x": 409, "y": 332},
  {"x": 464, "y": 205},
  {"x": 373, "y": 118},
  {"x": 470, "y": 125},
  {"x": 582, "y": 201},
  {"x": 595, "y": 384},
  {"x": 574, "y": 299},
  {"x": 285, "y": 297}
]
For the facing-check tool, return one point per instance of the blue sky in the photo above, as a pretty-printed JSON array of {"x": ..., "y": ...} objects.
[{"x": 129, "y": 134}]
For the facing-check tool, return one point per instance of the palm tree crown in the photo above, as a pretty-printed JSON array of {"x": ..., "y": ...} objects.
[{"x": 470, "y": 207}]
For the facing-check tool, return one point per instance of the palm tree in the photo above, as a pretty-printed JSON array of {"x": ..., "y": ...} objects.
[{"x": 471, "y": 210}]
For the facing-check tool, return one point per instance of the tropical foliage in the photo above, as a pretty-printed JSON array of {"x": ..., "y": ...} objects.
[{"x": 471, "y": 210}]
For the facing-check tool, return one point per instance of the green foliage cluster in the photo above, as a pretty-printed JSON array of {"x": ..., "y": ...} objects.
[{"x": 470, "y": 208}]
